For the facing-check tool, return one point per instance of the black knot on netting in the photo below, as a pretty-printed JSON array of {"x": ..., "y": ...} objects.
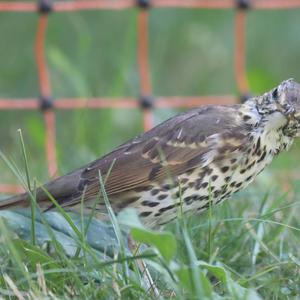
[
  {"x": 46, "y": 103},
  {"x": 243, "y": 4},
  {"x": 143, "y": 3},
  {"x": 45, "y": 6},
  {"x": 146, "y": 101}
]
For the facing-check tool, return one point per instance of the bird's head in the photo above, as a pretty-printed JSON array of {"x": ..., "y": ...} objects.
[{"x": 283, "y": 102}]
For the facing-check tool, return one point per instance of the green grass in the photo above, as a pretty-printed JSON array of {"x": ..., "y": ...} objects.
[{"x": 246, "y": 248}]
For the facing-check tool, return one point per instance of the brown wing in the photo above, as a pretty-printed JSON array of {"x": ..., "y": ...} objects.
[
  {"x": 181, "y": 143},
  {"x": 186, "y": 141}
]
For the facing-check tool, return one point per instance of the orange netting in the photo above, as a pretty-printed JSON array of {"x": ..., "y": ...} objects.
[{"x": 47, "y": 107}]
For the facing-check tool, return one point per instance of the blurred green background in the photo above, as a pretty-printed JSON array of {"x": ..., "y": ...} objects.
[{"x": 93, "y": 53}]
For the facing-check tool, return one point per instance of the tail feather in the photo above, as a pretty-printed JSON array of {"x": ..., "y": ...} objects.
[
  {"x": 61, "y": 189},
  {"x": 20, "y": 200}
]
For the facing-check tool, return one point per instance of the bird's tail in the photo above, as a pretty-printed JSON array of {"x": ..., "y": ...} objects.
[
  {"x": 20, "y": 200},
  {"x": 61, "y": 189}
]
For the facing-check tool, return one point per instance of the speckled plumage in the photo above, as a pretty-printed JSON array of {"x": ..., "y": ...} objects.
[{"x": 203, "y": 155}]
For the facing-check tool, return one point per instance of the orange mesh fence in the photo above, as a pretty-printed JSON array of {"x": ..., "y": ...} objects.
[{"x": 48, "y": 107}]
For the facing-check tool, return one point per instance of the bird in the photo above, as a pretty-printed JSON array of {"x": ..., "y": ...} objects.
[{"x": 193, "y": 160}]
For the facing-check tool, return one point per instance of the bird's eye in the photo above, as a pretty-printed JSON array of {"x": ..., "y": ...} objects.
[{"x": 275, "y": 94}]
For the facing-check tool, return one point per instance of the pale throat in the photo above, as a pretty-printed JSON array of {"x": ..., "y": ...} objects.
[{"x": 272, "y": 133}]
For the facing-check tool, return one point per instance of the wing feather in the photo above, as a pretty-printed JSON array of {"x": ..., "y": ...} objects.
[{"x": 181, "y": 143}]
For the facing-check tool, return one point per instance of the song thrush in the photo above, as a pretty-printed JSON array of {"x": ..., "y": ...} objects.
[{"x": 203, "y": 155}]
